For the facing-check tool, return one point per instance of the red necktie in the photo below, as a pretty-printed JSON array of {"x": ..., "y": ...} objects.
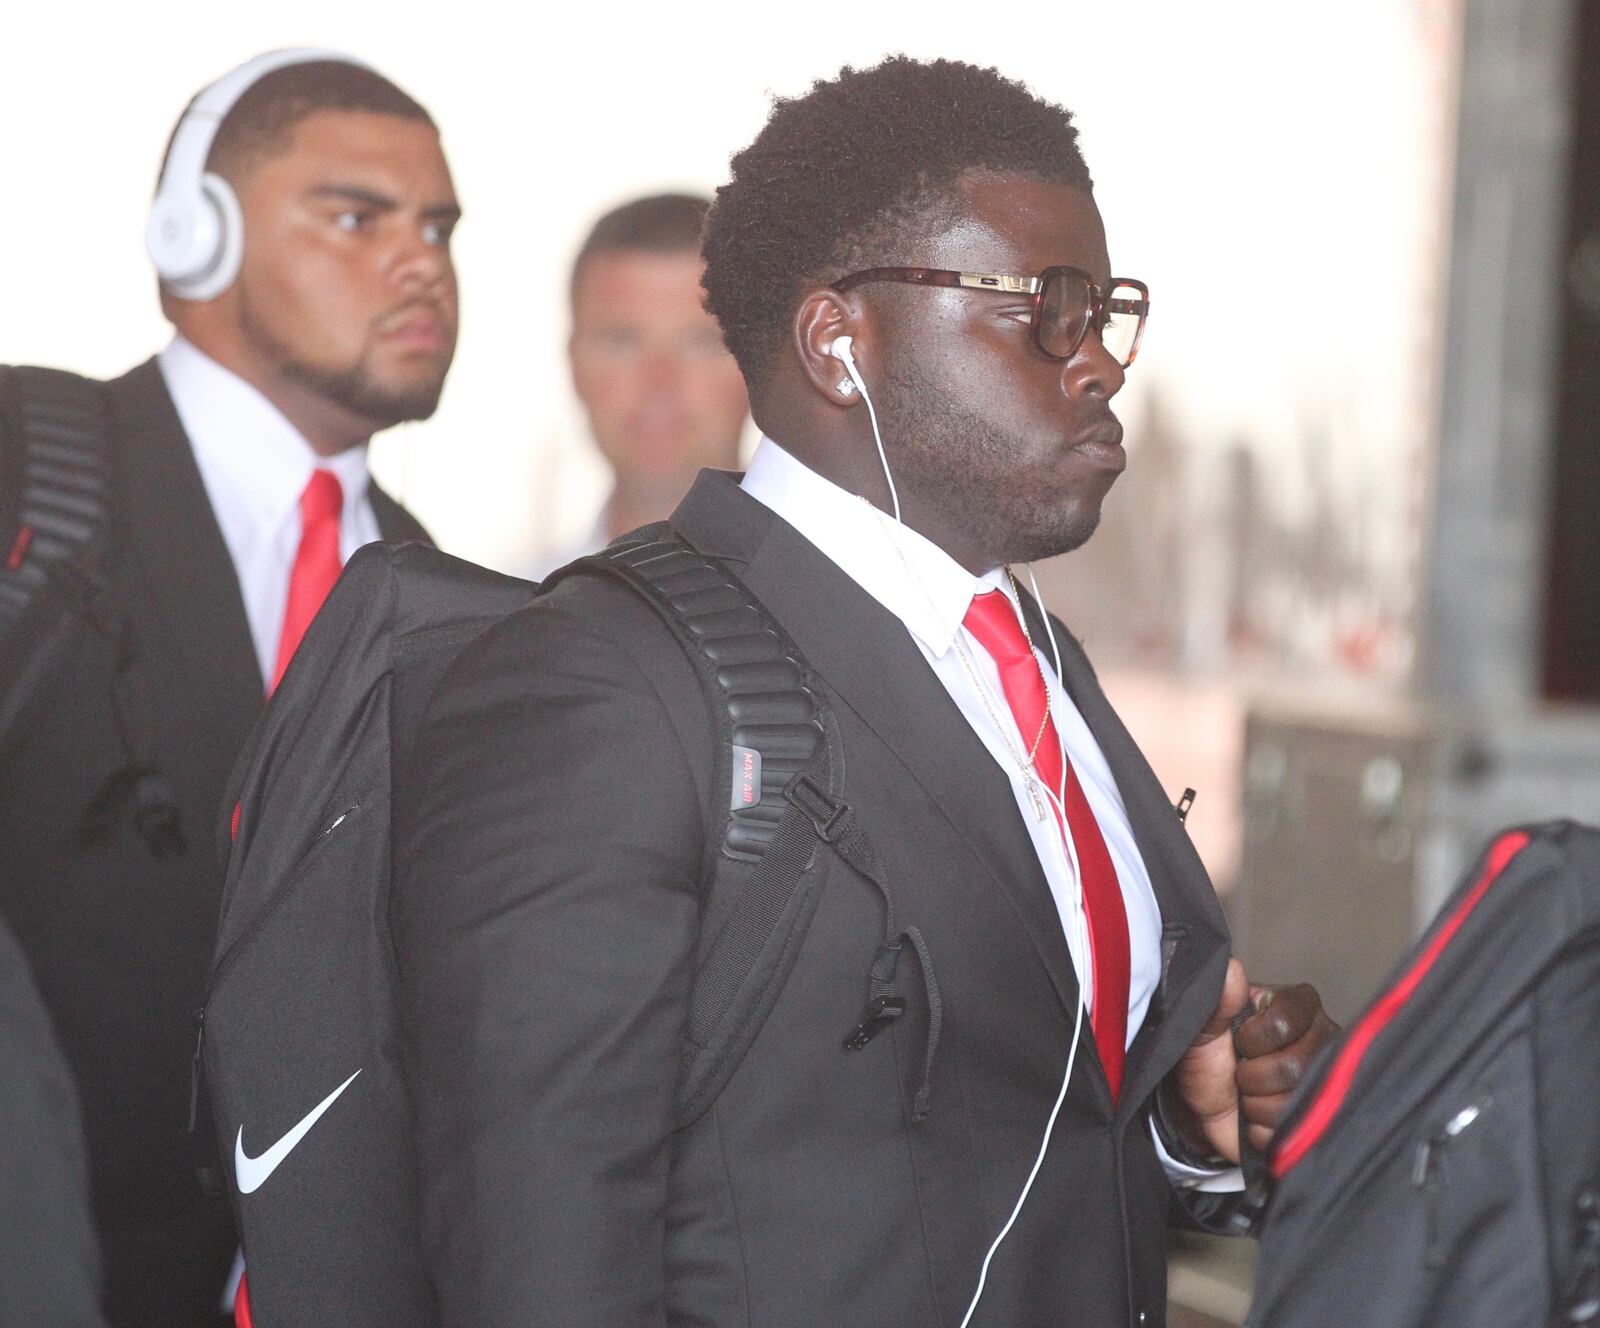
[
  {"x": 316, "y": 563},
  {"x": 993, "y": 621}
]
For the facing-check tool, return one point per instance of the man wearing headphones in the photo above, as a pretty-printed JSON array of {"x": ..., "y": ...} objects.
[
  {"x": 911, "y": 270},
  {"x": 302, "y": 234}
]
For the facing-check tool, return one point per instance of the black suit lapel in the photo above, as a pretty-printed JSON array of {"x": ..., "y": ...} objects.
[
  {"x": 871, "y": 662},
  {"x": 170, "y": 535},
  {"x": 1194, "y": 936}
]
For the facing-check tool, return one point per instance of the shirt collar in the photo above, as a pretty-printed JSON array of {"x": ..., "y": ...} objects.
[
  {"x": 908, "y": 574},
  {"x": 243, "y": 444}
]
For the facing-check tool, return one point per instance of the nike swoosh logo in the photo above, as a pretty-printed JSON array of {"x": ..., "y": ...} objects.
[{"x": 251, "y": 1172}]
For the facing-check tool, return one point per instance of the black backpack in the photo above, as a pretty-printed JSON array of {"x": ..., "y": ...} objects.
[
  {"x": 1441, "y": 1167},
  {"x": 303, "y": 986}
]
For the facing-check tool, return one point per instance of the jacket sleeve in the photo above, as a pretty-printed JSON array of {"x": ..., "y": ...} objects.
[{"x": 546, "y": 914}]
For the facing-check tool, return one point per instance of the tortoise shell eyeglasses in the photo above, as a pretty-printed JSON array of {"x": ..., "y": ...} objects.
[{"x": 1066, "y": 304}]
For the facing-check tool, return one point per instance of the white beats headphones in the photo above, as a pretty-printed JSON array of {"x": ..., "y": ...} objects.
[{"x": 195, "y": 235}]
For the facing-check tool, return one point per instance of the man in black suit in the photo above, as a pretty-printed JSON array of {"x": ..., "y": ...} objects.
[
  {"x": 238, "y": 485},
  {"x": 552, "y": 824}
]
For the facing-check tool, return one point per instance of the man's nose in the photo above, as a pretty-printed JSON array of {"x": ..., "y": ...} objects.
[
  {"x": 421, "y": 262},
  {"x": 661, "y": 369},
  {"x": 1092, "y": 370}
]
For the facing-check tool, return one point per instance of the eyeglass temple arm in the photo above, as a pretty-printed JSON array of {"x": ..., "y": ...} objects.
[{"x": 938, "y": 276}]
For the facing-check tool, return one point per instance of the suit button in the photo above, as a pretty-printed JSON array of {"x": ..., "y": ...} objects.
[{"x": 1142, "y": 1319}]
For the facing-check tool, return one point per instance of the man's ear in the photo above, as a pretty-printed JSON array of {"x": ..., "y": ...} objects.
[{"x": 822, "y": 318}]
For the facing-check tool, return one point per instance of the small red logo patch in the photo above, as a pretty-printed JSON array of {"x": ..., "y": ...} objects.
[{"x": 746, "y": 778}]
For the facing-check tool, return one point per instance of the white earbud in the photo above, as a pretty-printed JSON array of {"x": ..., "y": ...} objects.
[{"x": 840, "y": 350}]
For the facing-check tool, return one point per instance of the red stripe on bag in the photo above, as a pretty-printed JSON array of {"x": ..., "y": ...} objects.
[
  {"x": 1331, "y": 1097},
  {"x": 19, "y": 550}
]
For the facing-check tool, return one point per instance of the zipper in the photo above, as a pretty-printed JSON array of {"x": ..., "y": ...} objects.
[
  {"x": 225, "y": 964},
  {"x": 194, "y": 1068}
]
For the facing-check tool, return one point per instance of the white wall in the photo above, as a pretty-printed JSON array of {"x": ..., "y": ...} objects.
[{"x": 1274, "y": 171}]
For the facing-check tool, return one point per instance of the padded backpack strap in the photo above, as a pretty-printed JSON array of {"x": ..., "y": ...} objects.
[
  {"x": 776, "y": 796},
  {"x": 55, "y": 482},
  {"x": 767, "y": 710}
]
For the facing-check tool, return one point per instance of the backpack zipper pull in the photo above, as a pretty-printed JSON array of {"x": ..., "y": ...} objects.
[
  {"x": 1427, "y": 1172},
  {"x": 881, "y": 1012}
]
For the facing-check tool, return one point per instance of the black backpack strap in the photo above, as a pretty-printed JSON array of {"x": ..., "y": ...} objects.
[
  {"x": 55, "y": 483},
  {"x": 836, "y": 824},
  {"x": 55, "y": 468},
  {"x": 768, "y": 712},
  {"x": 775, "y": 801}
]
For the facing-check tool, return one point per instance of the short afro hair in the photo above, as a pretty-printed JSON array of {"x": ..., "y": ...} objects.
[
  {"x": 656, "y": 224},
  {"x": 840, "y": 177},
  {"x": 262, "y": 122}
]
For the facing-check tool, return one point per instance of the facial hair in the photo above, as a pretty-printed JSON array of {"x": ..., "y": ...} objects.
[
  {"x": 956, "y": 461},
  {"x": 355, "y": 390},
  {"x": 352, "y": 388}
]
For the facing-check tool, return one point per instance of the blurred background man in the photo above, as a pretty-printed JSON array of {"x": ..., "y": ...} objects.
[
  {"x": 663, "y": 396},
  {"x": 234, "y": 485}
]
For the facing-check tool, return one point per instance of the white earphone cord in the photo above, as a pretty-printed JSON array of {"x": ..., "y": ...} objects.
[
  {"x": 1057, "y": 797},
  {"x": 842, "y": 352}
]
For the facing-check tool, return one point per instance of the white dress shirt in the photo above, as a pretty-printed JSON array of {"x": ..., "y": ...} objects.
[
  {"x": 255, "y": 465},
  {"x": 930, "y": 593}
]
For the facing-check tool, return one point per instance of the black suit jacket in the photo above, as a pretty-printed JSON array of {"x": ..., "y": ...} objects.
[
  {"x": 119, "y": 937},
  {"x": 548, "y": 913}
]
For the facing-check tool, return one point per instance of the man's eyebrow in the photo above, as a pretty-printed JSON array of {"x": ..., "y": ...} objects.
[
  {"x": 350, "y": 193},
  {"x": 450, "y": 212}
]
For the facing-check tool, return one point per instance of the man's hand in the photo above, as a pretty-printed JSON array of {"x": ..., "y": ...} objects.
[
  {"x": 1259, "y": 1066},
  {"x": 1276, "y": 1046}
]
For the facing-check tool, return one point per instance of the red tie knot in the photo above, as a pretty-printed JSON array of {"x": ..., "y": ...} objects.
[
  {"x": 322, "y": 498},
  {"x": 993, "y": 620}
]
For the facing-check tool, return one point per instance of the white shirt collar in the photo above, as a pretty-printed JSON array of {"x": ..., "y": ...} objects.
[
  {"x": 253, "y": 461},
  {"x": 908, "y": 574}
]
